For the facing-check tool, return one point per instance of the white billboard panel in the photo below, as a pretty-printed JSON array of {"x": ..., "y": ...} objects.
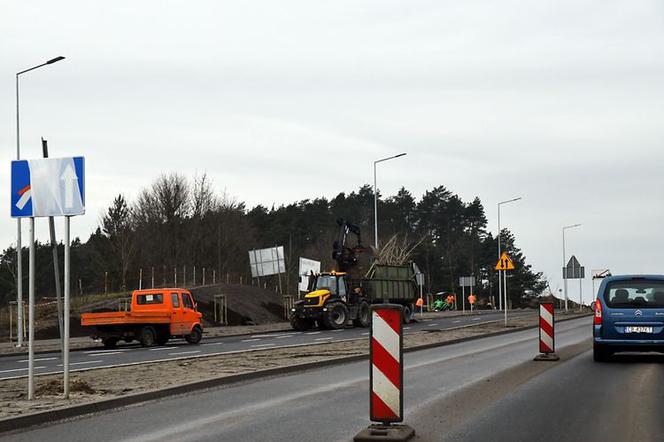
[
  {"x": 306, "y": 267},
  {"x": 265, "y": 262}
]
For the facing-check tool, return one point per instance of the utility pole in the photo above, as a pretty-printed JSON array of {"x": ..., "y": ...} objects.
[{"x": 56, "y": 267}]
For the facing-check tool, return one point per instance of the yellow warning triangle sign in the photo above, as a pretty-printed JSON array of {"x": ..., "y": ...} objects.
[{"x": 505, "y": 263}]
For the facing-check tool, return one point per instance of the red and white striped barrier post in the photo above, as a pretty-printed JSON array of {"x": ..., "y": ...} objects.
[
  {"x": 547, "y": 335},
  {"x": 386, "y": 377}
]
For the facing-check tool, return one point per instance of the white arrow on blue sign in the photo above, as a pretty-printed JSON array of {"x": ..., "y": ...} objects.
[{"x": 48, "y": 187}]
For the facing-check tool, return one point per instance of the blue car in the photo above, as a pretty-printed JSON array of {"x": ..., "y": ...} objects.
[{"x": 629, "y": 315}]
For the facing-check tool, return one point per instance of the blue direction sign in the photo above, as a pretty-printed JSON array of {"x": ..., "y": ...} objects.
[{"x": 48, "y": 187}]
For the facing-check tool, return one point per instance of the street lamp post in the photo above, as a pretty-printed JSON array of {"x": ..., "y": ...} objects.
[
  {"x": 500, "y": 284},
  {"x": 376, "y": 196},
  {"x": 19, "y": 264},
  {"x": 572, "y": 226}
]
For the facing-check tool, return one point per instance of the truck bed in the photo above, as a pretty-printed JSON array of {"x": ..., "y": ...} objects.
[{"x": 124, "y": 318}]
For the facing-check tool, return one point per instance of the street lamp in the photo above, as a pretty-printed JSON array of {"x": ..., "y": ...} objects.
[
  {"x": 19, "y": 266},
  {"x": 376, "y": 196},
  {"x": 500, "y": 286},
  {"x": 571, "y": 226}
]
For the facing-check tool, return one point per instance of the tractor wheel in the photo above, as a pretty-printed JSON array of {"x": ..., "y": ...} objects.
[
  {"x": 363, "y": 316},
  {"x": 110, "y": 342},
  {"x": 148, "y": 336},
  {"x": 301, "y": 324},
  {"x": 335, "y": 316},
  {"x": 405, "y": 313},
  {"x": 195, "y": 336}
]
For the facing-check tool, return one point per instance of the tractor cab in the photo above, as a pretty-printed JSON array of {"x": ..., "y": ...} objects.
[{"x": 324, "y": 286}]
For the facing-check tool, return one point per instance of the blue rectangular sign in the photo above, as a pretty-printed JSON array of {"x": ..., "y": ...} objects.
[{"x": 48, "y": 187}]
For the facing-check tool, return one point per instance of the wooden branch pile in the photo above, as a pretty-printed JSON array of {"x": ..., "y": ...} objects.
[{"x": 396, "y": 251}]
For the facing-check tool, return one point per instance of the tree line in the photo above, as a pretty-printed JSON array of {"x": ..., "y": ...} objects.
[{"x": 178, "y": 223}]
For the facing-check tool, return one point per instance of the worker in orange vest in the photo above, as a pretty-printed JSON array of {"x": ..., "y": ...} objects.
[
  {"x": 471, "y": 301},
  {"x": 450, "y": 301}
]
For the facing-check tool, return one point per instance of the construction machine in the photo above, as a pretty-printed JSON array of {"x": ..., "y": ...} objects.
[{"x": 344, "y": 295}]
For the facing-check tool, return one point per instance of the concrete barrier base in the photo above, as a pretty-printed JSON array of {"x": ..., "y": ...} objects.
[
  {"x": 388, "y": 433},
  {"x": 547, "y": 357}
]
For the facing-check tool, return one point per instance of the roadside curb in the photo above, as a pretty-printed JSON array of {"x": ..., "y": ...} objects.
[{"x": 58, "y": 414}]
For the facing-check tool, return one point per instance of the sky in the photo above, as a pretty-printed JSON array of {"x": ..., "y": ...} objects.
[{"x": 558, "y": 102}]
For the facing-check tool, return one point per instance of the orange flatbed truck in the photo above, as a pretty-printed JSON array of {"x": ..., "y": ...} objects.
[{"x": 156, "y": 315}]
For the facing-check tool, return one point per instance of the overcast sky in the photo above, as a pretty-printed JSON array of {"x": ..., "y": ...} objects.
[{"x": 560, "y": 102}]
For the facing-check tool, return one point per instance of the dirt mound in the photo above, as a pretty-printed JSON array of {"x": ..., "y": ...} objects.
[
  {"x": 54, "y": 387},
  {"x": 247, "y": 305}
]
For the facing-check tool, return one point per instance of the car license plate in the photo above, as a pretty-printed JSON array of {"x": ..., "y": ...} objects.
[{"x": 638, "y": 329}]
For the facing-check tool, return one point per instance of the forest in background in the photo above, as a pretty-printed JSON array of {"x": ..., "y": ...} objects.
[{"x": 178, "y": 223}]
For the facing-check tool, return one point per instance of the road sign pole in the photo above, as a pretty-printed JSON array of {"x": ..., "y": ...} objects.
[
  {"x": 580, "y": 293},
  {"x": 505, "y": 292},
  {"x": 564, "y": 272},
  {"x": 65, "y": 356},
  {"x": 19, "y": 284},
  {"x": 31, "y": 312},
  {"x": 463, "y": 297},
  {"x": 500, "y": 289}
]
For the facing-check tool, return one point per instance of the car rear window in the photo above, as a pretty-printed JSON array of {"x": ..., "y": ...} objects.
[
  {"x": 642, "y": 293},
  {"x": 154, "y": 298}
]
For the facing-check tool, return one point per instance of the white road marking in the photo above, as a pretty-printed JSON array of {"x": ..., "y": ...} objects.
[
  {"x": 39, "y": 359},
  {"x": 434, "y": 324},
  {"x": 341, "y": 329},
  {"x": 161, "y": 348},
  {"x": 323, "y": 339},
  {"x": 105, "y": 353},
  {"x": 271, "y": 335},
  {"x": 477, "y": 319},
  {"x": 284, "y": 337},
  {"x": 456, "y": 322},
  {"x": 213, "y": 343},
  {"x": 184, "y": 353},
  {"x": 18, "y": 369},
  {"x": 365, "y": 334},
  {"x": 83, "y": 363},
  {"x": 250, "y": 340},
  {"x": 263, "y": 345},
  {"x": 314, "y": 333},
  {"x": 406, "y": 328}
]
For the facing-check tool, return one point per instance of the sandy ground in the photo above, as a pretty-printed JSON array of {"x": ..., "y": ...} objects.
[{"x": 95, "y": 385}]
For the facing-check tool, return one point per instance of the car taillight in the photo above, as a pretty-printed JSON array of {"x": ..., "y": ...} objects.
[{"x": 598, "y": 312}]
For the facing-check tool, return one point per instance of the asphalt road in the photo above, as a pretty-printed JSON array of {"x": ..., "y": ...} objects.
[
  {"x": 484, "y": 389},
  {"x": 48, "y": 363}
]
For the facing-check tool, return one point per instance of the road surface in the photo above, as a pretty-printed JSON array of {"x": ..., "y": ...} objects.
[
  {"x": 484, "y": 389},
  {"x": 47, "y": 363}
]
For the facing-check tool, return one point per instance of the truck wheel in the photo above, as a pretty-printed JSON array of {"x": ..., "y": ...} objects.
[
  {"x": 335, "y": 316},
  {"x": 195, "y": 336},
  {"x": 301, "y": 324},
  {"x": 363, "y": 316},
  {"x": 405, "y": 313},
  {"x": 148, "y": 336},
  {"x": 110, "y": 342}
]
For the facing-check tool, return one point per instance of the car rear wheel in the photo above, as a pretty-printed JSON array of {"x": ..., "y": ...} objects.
[{"x": 601, "y": 353}]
